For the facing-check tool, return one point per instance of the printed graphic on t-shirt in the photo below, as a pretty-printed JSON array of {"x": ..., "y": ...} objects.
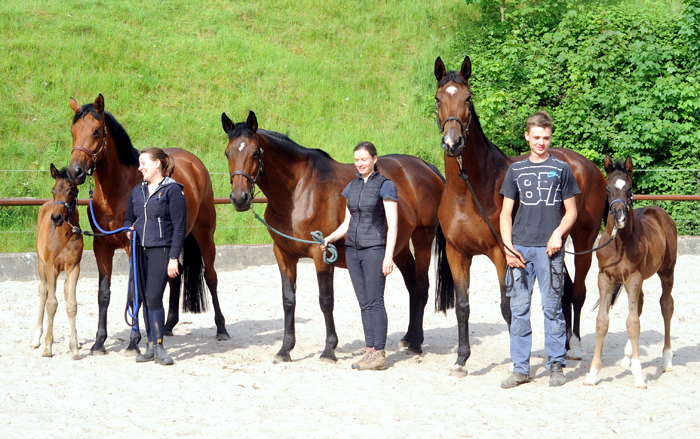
[{"x": 539, "y": 187}]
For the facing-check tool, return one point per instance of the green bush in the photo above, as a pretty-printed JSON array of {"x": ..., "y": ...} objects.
[{"x": 617, "y": 79}]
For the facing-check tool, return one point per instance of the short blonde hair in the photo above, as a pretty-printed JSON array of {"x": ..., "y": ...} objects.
[{"x": 540, "y": 119}]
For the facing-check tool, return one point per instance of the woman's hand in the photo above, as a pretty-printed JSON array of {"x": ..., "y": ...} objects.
[
  {"x": 128, "y": 234},
  {"x": 173, "y": 267},
  {"x": 387, "y": 265}
]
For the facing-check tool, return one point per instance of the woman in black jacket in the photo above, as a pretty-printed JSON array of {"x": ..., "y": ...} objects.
[
  {"x": 157, "y": 213},
  {"x": 370, "y": 226}
]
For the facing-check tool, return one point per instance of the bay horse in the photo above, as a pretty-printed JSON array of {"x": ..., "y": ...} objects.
[
  {"x": 58, "y": 248},
  {"x": 303, "y": 187},
  {"x": 470, "y": 156},
  {"x": 102, "y": 147},
  {"x": 646, "y": 243}
]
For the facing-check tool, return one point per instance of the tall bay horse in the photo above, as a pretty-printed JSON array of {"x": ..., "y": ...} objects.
[
  {"x": 470, "y": 156},
  {"x": 303, "y": 188},
  {"x": 58, "y": 248},
  {"x": 646, "y": 243},
  {"x": 102, "y": 147}
]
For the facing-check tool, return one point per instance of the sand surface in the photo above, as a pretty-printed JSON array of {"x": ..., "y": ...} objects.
[{"x": 233, "y": 388}]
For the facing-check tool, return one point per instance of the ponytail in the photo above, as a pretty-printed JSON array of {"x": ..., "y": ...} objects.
[{"x": 167, "y": 162}]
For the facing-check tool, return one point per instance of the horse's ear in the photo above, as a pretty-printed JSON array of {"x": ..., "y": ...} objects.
[
  {"x": 628, "y": 165},
  {"x": 100, "y": 104},
  {"x": 252, "y": 121},
  {"x": 54, "y": 171},
  {"x": 608, "y": 164},
  {"x": 74, "y": 105},
  {"x": 466, "y": 70},
  {"x": 226, "y": 123},
  {"x": 439, "y": 69}
]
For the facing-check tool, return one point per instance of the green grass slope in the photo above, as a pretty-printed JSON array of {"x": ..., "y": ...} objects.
[{"x": 330, "y": 74}]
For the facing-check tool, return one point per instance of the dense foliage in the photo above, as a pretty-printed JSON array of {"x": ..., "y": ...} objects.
[{"x": 617, "y": 80}]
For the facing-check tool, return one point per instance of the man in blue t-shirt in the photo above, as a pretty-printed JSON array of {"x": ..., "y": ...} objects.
[{"x": 545, "y": 188}]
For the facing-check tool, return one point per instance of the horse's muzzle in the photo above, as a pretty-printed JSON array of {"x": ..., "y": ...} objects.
[
  {"x": 453, "y": 148},
  {"x": 57, "y": 219},
  {"x": 77, "y": 174},
  {"x": 241, "y": 203}
]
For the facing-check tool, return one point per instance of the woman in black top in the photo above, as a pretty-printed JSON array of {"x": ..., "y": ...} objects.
[
  {"x": 370, "y": 227},
  {"x": 157, "y": 213}
]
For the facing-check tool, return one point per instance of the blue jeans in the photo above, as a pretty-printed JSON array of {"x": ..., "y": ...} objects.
[
  {"x": 550, "y": 277},
  {"x": 368, "y": 280}
]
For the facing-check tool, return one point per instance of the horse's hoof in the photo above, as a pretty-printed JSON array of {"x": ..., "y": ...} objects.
[
  {"x": 587, "y": 384},
  {"x": 132, "y": 352},
  {"x": 47, "y": 353},
  {"x": 168, "y": 333},
  {"x": 404, "y": 343},
  {"x": 668, "y": 369},
  {"x": 76, "y": 356},
  {"x": 458, "y": 371},
  {"x": 223, "y": 337},
  {"x": 412, "y": 351},
  {"x": 98, "y": 352},
  {"x": 282, "y": 359},
  {"x": 330, "y": 359},
  {"x": 35, "y": 346},
  {"x": 573, "y": 356},
  {"x": 644, "y": 387}
]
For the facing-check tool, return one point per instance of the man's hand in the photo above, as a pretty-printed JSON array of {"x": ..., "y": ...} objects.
[
  {"x": 554, "y": 243},
  {"x": 514, "y": 260}
]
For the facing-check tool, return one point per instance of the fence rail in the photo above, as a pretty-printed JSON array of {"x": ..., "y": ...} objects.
[{"x": 85, "y": 201}]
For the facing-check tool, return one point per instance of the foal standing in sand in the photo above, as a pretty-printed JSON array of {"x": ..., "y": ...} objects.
[
  {"x": 645, "y": 244},
  {"x": 58, "y": 249}
]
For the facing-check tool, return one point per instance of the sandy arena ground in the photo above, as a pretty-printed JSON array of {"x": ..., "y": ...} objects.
[{"x": 233, "y": 389}]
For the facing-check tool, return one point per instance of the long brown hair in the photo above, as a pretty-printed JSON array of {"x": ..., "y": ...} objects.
[
  {"x": 167, "y": 162},
  {"x": 370, "y": 148}
]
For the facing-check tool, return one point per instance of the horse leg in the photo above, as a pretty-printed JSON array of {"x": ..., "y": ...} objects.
[
  {"x": 103, "y": 256},
  {"x": 606, "y": 285},
  {"x": 627, "y": 355},
  {"x": 51, "y": 307},
  {"x": 324, "y": 274},
  {"x": 460, "y": 264},
  {"x": 633, "y": 285},
  {"x": 500, "y": 262},
  {"x": 288, "y": 270},
  {"x": 43, "y": 291},
  {"x": 173, "y": 306},
  {"x": 407, "y": 266},
  {"x": 666, "y": 302},
  {"x": 582, "y": 264},
  {"x": 422, "y": 247},
  {"x": 208, "y": 249},
  {"x": 69, "y": 288}
]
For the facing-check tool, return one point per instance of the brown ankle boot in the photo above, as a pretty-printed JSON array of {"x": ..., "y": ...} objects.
[
  {"x": 375, "y": 361},
  {"x": 365, "y": 352}
]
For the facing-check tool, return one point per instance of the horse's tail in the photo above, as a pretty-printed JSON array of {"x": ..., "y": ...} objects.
[
  {"x": 445, "y": 289},
  {"x": 194, "y": 297},
  {"x": 605, "y": 212},
  {"x": 435, "y": 170},
  {"x": 615, "y": 295}
]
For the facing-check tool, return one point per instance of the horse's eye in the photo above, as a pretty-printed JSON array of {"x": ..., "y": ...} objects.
[
  {"x": 255, "y": 154},
  {"x": 437, "y": 101},
  {"x": 96, "y": 133}
]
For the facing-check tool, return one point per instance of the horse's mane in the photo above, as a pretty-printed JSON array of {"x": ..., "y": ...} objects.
[
  {"x": 452, "y": 76},
  {"x": 242, "y": 129},
  {"x": 619, "y": 166},
  {"x": 125, "y": 149},
  {"x": 480, "y": 131}
]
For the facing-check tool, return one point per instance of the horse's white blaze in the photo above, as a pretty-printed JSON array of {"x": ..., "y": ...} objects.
[
  {"x": 591, "y": 378},
  {"x": 619, "y": 183},
  {"x": 240, "y": 148},
  {"x": 668, "y": 357},
  {"x": 451, "y": 90},
  {"x": 637, "y": 372}
]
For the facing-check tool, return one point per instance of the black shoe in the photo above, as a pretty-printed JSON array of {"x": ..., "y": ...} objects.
[
  {"x": 148, "y": 356},
  {"x": 556, "y": 375},
  {"x": 514, "y": 380},
  {"x": 161, "y": 357}
]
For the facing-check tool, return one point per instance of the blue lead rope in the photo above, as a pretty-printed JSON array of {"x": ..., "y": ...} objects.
[
  {"x": 133, "y": 310},
  {"x": 318, "y": 239}
]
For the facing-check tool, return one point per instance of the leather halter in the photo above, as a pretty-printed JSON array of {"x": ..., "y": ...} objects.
[
  {"x": 465, "y": 128},
  {"x": 620, "y": 200},
  {"x": 93, "y": 155},
  {"x": 70, "y": 206},
  {"x": 252, "y": 180}
]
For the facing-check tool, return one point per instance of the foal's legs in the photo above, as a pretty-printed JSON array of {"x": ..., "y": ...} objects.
[
  {"x": 667, "y": 312},
  {"x": 51, "y": 307},
  {"x": 72, "y": 274},
  {"x": 627, "y": 357},
  {"x": 606, "y": 285},
  {"x": 633, "y": 285},
  {"x": 43, "y": 291}
]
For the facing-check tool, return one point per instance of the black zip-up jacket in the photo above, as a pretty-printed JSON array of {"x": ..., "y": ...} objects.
[
  {"x": 367, "y": 226},
  {"x": 161, "y": 219}
]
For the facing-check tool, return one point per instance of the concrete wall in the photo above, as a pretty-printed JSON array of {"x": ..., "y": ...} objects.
[{"x": 23, "y": 266}]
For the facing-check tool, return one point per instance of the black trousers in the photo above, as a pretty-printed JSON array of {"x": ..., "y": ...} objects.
[
  {"x": 368, "y": 280},
  {"x": 152, "y": 263}
]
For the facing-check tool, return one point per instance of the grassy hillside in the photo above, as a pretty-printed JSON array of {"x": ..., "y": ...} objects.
[{"x": 330, "y": 74}]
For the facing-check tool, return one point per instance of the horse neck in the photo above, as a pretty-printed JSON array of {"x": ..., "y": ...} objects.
[
  {"x": 113, "y": 179},
  {"x": 484, "y": 164},
  {"x": 282, "y": 165}
]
